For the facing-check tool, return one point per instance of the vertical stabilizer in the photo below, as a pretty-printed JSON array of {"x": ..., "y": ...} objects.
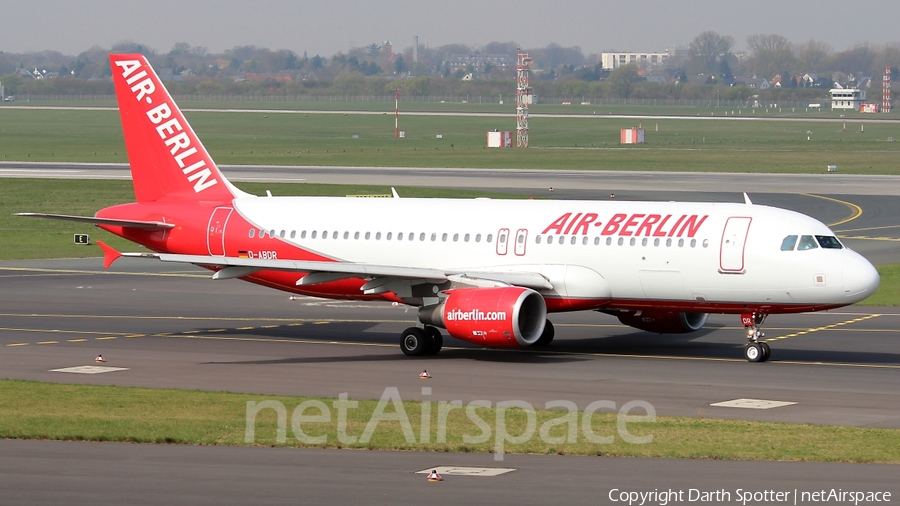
[{"x": 167, "y": 159}]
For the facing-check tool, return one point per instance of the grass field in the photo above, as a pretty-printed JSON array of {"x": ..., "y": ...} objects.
[
  {"x": 479, "y": 104},
  {"x": 556, "y": 143},
  {"x": 32, "y": 410}
]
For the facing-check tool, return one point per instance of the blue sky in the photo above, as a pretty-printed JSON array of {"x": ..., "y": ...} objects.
[{"x": 326, "y": 27}]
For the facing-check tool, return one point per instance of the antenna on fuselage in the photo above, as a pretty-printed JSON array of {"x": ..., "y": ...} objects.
[
  {"x": 394, "y": 193},
  {"x": 747, "y": 199}
]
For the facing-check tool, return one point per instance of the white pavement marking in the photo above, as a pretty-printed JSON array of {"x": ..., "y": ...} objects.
[
  {"x": 752, "y": 404},
  {"x": 89, "y": 369},
  {"x": 467, "y": 471}
]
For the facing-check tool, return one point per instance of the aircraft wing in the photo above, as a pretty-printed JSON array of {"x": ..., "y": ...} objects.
[
  {"x": 322, "y": 272},
  {"x": 145, "y": 225}
]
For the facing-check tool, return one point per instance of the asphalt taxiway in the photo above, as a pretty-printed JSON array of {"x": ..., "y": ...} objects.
[{"x": 174, "y": 327}]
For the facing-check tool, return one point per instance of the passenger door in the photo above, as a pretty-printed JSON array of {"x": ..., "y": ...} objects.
[
  {"x": 733, "y": 245},
  {"x": 215, "y": 232}
]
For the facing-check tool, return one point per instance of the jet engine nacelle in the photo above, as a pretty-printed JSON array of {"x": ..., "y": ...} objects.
[
  {"x": 664, "y": 322},
  {"x": 497, "y": 317}
]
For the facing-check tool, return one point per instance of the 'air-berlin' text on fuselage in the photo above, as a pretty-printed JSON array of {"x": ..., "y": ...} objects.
[
  {"x": 649, "y": 225},
  {"x": 189, "y": 159}
]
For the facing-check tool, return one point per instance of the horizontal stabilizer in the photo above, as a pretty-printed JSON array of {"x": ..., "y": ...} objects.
[{"x": 144, "y": 225}]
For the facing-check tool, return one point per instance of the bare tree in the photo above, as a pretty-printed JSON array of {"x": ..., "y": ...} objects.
[
  {"x": 812, "y": 56},
  {"x": 708, "y": 50},
  {"x": 770, "y": 54}
]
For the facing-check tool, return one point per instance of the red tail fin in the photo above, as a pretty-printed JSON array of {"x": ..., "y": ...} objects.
[{"x": 167, "y": 159}]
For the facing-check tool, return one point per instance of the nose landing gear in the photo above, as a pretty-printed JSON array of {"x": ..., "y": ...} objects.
[{"x": 755, "y": 350}]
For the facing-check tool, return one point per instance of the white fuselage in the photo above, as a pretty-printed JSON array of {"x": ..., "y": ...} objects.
[{"x": 706, "y": 256}]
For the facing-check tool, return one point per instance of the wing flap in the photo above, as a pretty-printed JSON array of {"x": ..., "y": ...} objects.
[{"x": 323, "y": 272}]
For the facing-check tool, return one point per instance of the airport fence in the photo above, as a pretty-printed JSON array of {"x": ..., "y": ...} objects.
[{"x": 575, "y": 101}]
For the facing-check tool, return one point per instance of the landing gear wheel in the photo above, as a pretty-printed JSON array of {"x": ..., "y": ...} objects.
[
  {"x": 753, "y": 352},
  {"x": 547, "y": 335},
  {"x": 414, "y": 342},
  {"x": 767, "y": 352},
  {"x": 435, "y": 340}
]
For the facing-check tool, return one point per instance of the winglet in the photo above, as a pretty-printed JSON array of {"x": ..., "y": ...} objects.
[{"x": 110, "y": 255}]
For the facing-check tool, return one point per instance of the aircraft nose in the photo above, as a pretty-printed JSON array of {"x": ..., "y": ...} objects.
[{"x": 860, "y": 279}]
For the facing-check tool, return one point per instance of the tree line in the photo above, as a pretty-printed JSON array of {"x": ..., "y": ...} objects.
[{"x": 378, "y": 68}]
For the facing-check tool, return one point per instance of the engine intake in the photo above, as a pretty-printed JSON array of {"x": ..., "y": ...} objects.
[
  {"x": 664, "y": 322},
  {"x": 496, "y": 317}
]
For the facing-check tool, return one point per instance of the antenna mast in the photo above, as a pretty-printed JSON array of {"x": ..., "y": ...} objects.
[{"x": 523, "y": 98}]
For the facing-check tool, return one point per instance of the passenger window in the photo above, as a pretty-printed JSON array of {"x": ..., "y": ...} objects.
[
  {"x": 549, "y": 239},
  {"x": 656, "y": 241},
  {"x": 455, "y": 237},
  {"x": 807, "y": 242},
  {"x": 252, "y": 232},
  {"x": 608, "y": 241},
  {"x": 788, "y": 243},
  {"x": 644, "y": 241},
  {"x": 572, "y": 241},
  {"x": 368, "y": 235},
  {"x": 293, "y": 234},
  {"x": 596, "y": 241},
  {"x": 537, "y": 239},
  {"x": 584, "y": 240},
  {"x": 705, "y": 243},
  {"x": 680, "y": 243},
  {"x": 377, "y": 236},
  {"x": 313, "y": 234},
  {"x": 346, "y": 235},
  {"x": 281, "y": 234},
  {"x": 334, "y": 235},
  {"x": 490, "y": 237},
  {"x": 466, "y": 238},
  {"x": 356, "y": 235},
  {"x": 303, "y": 234},
  {"x": 389, "y": 234},
  {"x": 433, "y": 236},
  {"x": 693, "y": 242},
  {"x": 422, "y": 236},
  {"x": 444, "y": 237},
  {"x": 272, "y": 233},
  {"x": 621, "y": 241},
  {"x": 632, "y": 241},
  {"x": 668, "y": 242},
  {"x": 324, "y": 234},
  {"x": 477, "y": 237},
  {"x": 828, "y": 242}
]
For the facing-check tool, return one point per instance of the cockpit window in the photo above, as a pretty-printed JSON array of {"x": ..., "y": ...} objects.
[
  {"x": 807, "y": 242},
  {"x": 829, "y": 242},
  {"x": 788, "y": 243}
]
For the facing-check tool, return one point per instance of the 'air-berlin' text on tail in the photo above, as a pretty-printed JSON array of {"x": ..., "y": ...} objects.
[{"x": 167, "y": 159}]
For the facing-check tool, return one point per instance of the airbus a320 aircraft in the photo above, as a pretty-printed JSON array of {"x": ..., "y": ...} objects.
[{"x": 487, "y": 271}]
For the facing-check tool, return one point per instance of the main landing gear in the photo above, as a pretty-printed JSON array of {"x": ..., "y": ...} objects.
[
  {"x": 755, "y": 350},
  {"x": 416, "y": 341}
]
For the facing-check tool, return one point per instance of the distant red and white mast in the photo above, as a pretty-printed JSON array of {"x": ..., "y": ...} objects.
[
  {"x": 886, "y": 90},
  {"x": 396, "y": 112},
  {"x": 523, "y": 98}
]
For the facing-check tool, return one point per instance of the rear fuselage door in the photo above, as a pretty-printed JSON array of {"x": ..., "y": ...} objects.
[
  {"x": 215, "y": 232},
  {"x": 734, "y": 244}
]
